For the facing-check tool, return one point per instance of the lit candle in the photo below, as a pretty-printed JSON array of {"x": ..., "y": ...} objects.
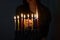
[
  {"x": 22, "y": 23},
  {"x": 37, "y": 17},
  {"x": 18, "y": 21},
  {"x": 25, "y": 22},
  {"x": 36, "y": 13},
  {"x": 15, "y": 21},
  {"x": 35, "y": 21},
  {"x": 28, "y": 20},
  {"x": 32, "y": 20}
]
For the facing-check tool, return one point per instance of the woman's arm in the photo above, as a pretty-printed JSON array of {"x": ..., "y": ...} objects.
[{"x": 47, "y": 19}]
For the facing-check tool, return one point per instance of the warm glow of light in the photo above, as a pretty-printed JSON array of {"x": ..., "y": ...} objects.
[
  {"x": 18, "y": 21},
  {"x": 15, "y": 21},
  {"x": 28, "y": 15},
  {"x": 32, "y": 15},
  {"x": 24, "y": 16},
  {"x": 17, "y": 16},
  {"x": 21, "y": 15},
  {"x": 26, "y": 22},
  {"x": 30, "y": 23},
  {"x": 37, "y": 15},
  {"x": 14, "y": 17}
]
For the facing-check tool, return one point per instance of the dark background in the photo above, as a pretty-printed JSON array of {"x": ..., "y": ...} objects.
[{"x": 8, "y": 10}]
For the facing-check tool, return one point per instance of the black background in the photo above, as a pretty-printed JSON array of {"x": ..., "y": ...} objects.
[{"x": 8, "y": 10}]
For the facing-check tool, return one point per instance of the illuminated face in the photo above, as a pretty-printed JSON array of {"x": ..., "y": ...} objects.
[{"x": 28, "y": 23}]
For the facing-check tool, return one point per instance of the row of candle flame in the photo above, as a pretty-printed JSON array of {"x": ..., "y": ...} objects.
[
  {"x": 24, "y": 16},
  {"x": 35, "y": 16}
]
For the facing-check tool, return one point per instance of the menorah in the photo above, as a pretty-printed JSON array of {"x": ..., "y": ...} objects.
[{"x": 26, "y": 21}]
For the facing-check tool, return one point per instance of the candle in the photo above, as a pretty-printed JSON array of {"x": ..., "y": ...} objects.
[
  {"x": 18, "y": 22},
  {"x": 22, "y": 23},
  {"x": 32, "y": 20},
  {"x": 25, "y": 22},
  {"x": 35, "y": 21},
  {"x": 37, "y": 17},
  {"x": 28, "y": 20},
  {"x": 15, "y": 21},
  {"x": 36, "y": 13}
]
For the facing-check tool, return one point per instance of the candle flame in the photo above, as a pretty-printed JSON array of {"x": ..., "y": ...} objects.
[
  {"x": 17, "y": 16},
  {"x": 32, "y": 15},
  {"x": 14, "y": 17},
  {"x": 28, "y": 15},
  {"x": 21, "y": 15},
  {"x": 24, "y": 16},
  {"x": 36, "y": 15}
]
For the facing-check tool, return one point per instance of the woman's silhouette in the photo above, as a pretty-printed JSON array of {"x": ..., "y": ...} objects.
[{"x": 43, "y": 14}]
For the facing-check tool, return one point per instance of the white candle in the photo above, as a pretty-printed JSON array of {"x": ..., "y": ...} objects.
[
  {"x": 37, "y": 17},
  {"x": 18, "y": 22},
  {"x": 35, "y": 21},
  {"x": 32, "y": 20},
  {"x": 15, "y": 21},
  {"x": 22, "y": 23},
  {"x": 28, "y": 20}
]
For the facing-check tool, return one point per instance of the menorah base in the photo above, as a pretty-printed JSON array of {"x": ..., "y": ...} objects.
[{"x": 27, "y": 35}]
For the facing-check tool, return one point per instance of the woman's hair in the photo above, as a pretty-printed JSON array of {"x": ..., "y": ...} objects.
[
  {"x": 26, "y": 5},
  {"x": 23, "y": 8}
]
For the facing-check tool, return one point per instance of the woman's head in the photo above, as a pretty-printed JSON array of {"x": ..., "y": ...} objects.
[
  {"x": 28, "y": 1},
  {"x": 26, "y": 5}
]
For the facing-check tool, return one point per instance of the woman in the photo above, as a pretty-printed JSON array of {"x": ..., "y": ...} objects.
[{"x": 43, "y": 14}]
